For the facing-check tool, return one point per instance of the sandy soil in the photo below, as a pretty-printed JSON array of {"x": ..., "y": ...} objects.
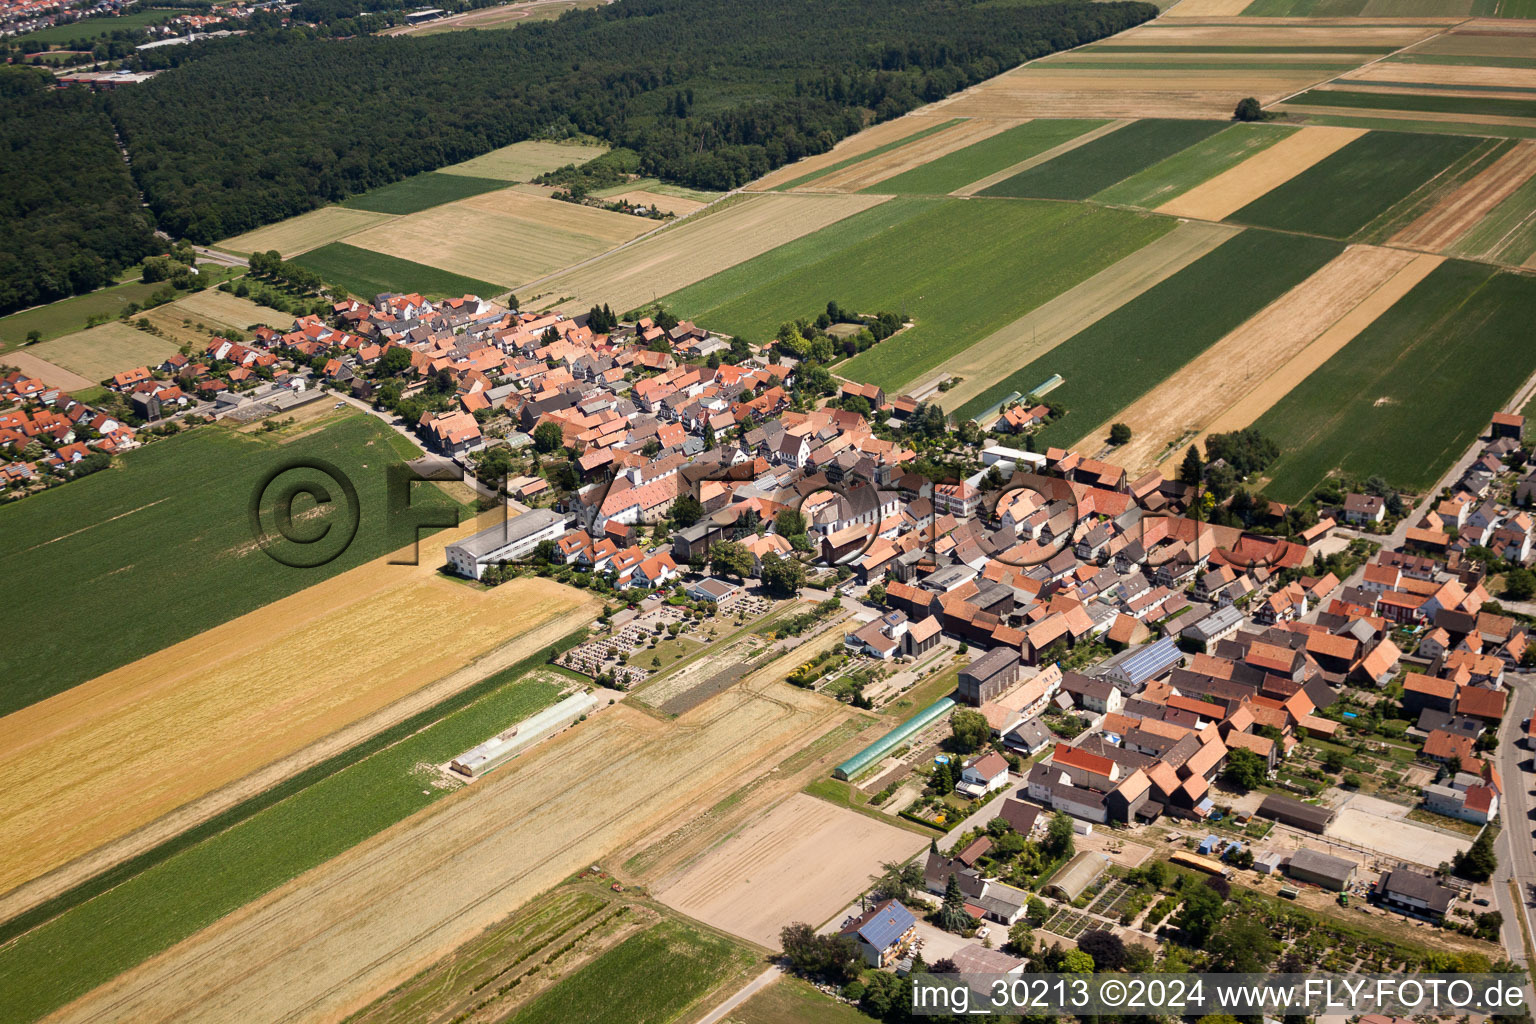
[
  {"x": 861, "y": 142},
  {"x": 1260, "y": 398},
  {"x": 1445, "y": 74},
  {"x": 327, "y": 943},
  {"x": 1042, "y": 329},
  {"x": 803, "y": 861},
  {"x": 695, "y": 249},
  {"x": 1221, "y": 375},
  {"x": 1363, "y": 825},
  {"x": 903, "y": 158},
  {"x": 1040, "y": 158},
  {"x": 1236, "y": 187},
  {"x": 48, "y": 373},
  {"x": 1463, "y": 208},
  {"x": 110, "y": 756},
  {"x": 306, "y": 231},
  {"x": 668, "y": 204}
]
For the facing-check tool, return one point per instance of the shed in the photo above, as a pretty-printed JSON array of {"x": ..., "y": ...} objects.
[
  {"x": 1208, "y": 844},
  {"x": 1081, "y": 871},
  {"x": 1287, "y": 811},
  {"x": 1322, "y": 869}
]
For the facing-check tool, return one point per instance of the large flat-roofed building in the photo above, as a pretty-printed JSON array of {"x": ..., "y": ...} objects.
[
  {"x": 989, "y": 675},
  {"x": 505, "y": 542}
]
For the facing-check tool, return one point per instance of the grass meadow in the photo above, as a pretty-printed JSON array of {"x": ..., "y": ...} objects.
[
  {"x": 1347, "y": 190},
  {"x": 1127, "y": 353},
  {"x": 422, "y": 192},
  {"x": 976, "y": 161},
  {"x": 1096, "y": 166},
  {"x": 654, "y": 975},
  {"x": 109, "y": 925},
  {"x": 161, "y": 544},
  {"x": 67, "y": 316},
  {"x": 366, "y": 273},
  {"x": 1181, "y": 172},
  {"x": 1407, "y": 396},
  {"x": 959, "y": 268}
]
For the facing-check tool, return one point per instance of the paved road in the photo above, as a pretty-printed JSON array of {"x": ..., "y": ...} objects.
[{"x": 1516, "y": 848}]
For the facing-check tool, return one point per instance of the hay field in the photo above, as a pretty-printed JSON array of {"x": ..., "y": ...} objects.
[
  {"x": 504, "y": 236},
  {"x": 1043, "y": 328},
  {"x": 100, "y": 352},
  {"x": 333, "y": 939},
  {"x": 1279, "y": 382},
  {"x": 721, "y": 237},
  {"x": 306, "y": 231},
  {"x": 180, "y": 723},
  {"x": 222, "y": 310},
  {"x": 1186, "y": 401},
  {"x": 866, "y": 174},
  {"x": 803, "y": 861},
  {"x": 1231, "y": 190},
  {"x": 524, "y": 161},
  {"x": 884, "y": 134}
]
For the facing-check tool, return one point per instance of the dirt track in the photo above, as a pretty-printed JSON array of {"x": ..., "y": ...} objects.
[
  {"x": 1463, "y": 208},
  {"x": 328, "y": 942},
  {"x": 1221, "y": 375},
  {"x": 1236, "y": 187},
  {"x": 169, "y": 740}
]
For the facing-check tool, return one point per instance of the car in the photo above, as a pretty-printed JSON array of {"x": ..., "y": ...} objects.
[
  {"x": 1480, "y": 902},
  {"x": 339, "y": 405}
]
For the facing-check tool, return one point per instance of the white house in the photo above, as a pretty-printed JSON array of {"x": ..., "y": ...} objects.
[{"x": 983, "y": 775}]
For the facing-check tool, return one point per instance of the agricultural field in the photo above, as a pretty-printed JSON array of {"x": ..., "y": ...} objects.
[
  {"x": 305, "y": 232},
  {"x": 866, "y": 173},
  {"x": 212, "y": 872},
  {"x": 803, "y": 861},
  {"x": 1412, "y": 390},
  {"x": 1170, "y": 178},
  {"x": 363, "y": 922},
  {"x": 1343, "y": 194},
  {"x": 223, "y": 311},
  {"x": 67, "y": 316},
  {"x": 366, "y": 273},
  {"x": 1127, "y": 353},
  {"x": 960, "y": 268},
  {"x": 103, "y": 351},
  {"x": 792, "y": 1001},
  {"x": 956, "y": 170},
  {"x": 866, "y": 145},
  {"x": 95, "y": 28},
  {"x": 502, "y": 236},
  {"x": 1493, "y": 175},
  {"x": 655, "y": 975},
  {"x": 1101, "y": 163},
  {"x": 1507, "y": 233},
  {"x": 53, "y": 375},
  {"x": 503, "y": 16},
  {"x": 524, "y": 161},
  {"x": 1220, "y": 196},
  {"x": 421, "y": 192},
  {"x": 678, "y": 206},
  {"x": 1419, "y": 103},
  {"x": 725, "y": 235}
]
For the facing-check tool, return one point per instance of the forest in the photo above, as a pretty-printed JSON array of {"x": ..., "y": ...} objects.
[
  {"x": 70, "y": 219},
  {"x": 269, "y": 125}
]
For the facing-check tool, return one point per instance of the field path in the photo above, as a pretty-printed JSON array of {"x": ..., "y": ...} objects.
[
  {"x": 1236, "y": 187},
  {"x": 327, "y": 943},
  {"x": 1040, "y": 158},
  {"x": 1463, "y": 208},
  {"x": 1196, "y": 393},
  {"x": 1043, "y": 328},
  {"x": 1259, "y": 398}
]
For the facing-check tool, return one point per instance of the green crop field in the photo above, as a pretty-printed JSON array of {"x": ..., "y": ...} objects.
[
  {"x": 1407, "y": 396},
  {"x": 793, "y": 1001},
  {"x": 1504, "y": 8},
  {"x": 1123, "y": 356},
  {"x": 1489, "y": 105},
  {"x": 107, "y": 930},
  {"x": 365, "y": 274},
  {"x": 67, "y": 316},
  {"x": 976, "y": 161},
  {"x": 857, "y": 158},
  {"x": 1347, "y": 190},
  {"x": 1305, "y": 8},
  {"x": 1093, "y": 167},
  {"x": 164, "y": 540},
  {"x": 960, "y": 268},
  {"x": 422, "y": 192},
  {"x": 1208, "y": 48},
  {"x": 1435, "y": 191},
  {"x": 654, "y": 976},
  {"x": 1202, "y": 161},
  {"x": 1508, "y": 232},
  {"x": 94, "y": 28}
]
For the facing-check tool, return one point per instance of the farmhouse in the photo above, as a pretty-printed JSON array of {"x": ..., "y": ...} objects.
[{"x": 1414, "y": 894}]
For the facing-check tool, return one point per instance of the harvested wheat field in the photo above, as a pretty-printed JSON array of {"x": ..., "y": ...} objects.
[
  {"x": 99, "y": 352},
  {"x": 1446, "y": 74},
  {"x": 523, "y": 161},
  {"x": 729, "y": 233},
  {"x": 221, "y": 310},
  {"x": 1221, "y": 375},
  {"x": 49, "y": 373},
  {"x": 1036, "y": 91},
  {"x": 504, "y": 236},
  {"x": 803, "y": 861},
  {"x": 330, "y": 941},
  {"x": 306, "y": 231},
  {"x": 1206, "y": 8},
  {"x": 884, "y": 134},
  {"x": 1257, "y": 400},
  {"x": 1236, "y": 187},
  {"x": 1043, "y": 328},
  {"x": 667, "y": 204},
  {"x": 870, "y": 172},
  {"x": 1466, "y": 206},
  {"x": 1319, "y": 34},
  {"x": 110, "y": 756}
]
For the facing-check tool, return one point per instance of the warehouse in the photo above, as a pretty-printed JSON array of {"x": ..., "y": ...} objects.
[
  {"x": 1322, "y": 869},
  {"x": 505, "y": 542},
  {"x": 1307, "y": 817}
]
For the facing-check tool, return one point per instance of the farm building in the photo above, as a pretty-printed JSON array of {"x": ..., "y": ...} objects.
[
  {"x": 507, "y": 745},
  {"x": 989, "y": 675},
  {"x": 1322, "y": 869},
  {"x": 1414, "y": 894},
  {"x": 505, "y": 542},
  {"x": 1081, "y": 871},
  {"x": 1287, "y": 811},
  {"x": 878, "y": 749}
]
